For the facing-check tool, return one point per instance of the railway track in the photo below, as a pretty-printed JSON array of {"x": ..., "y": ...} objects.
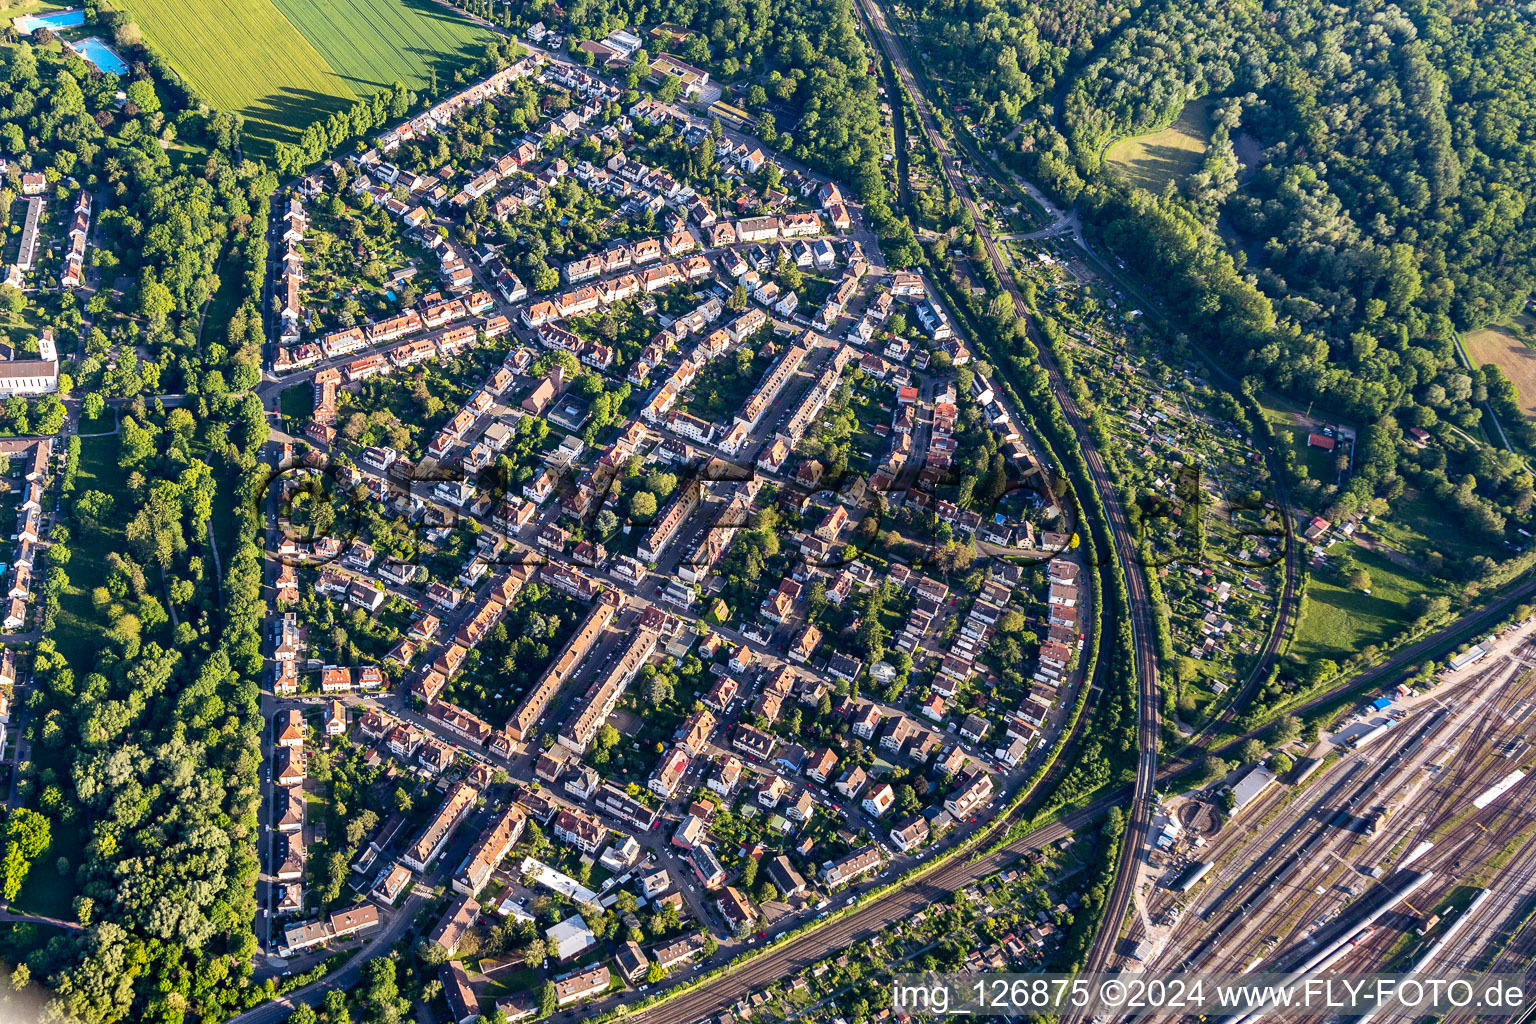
[
  {"x": 1462, "y": 839},
  {"x": 1321, "y": 848}
]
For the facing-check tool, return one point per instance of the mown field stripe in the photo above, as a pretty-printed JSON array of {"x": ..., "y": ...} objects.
[
  {"x": 244, "y": 56},
  {"x": 380, "y": 41}
]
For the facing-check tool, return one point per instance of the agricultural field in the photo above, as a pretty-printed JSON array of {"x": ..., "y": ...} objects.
[
  {"x": 371, "y": 44},
  {"x": 1150, "y": 161},
  {"x": 284, "y": 65},
  {"x": 244, "y": 56},
  {"x": 1506, "y": 347}
]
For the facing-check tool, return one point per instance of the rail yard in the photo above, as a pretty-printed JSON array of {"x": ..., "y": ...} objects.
[{"x": 1403, "y": 845}]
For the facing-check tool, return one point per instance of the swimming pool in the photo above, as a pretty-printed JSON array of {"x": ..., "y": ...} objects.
[
  {"x": 100, "y": 54},
  {"x": 29, "y": 23}
]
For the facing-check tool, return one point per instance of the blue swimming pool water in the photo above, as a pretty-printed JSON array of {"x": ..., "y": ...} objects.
[
  {"x": 29, "y": 23},
  {"x": 100, "y": 54}
]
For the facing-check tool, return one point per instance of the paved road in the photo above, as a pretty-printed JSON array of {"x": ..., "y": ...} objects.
[
  {"x": 375, "y": 944},
  {"x": 935, "y": 887},
  {"x": 1142, "y": 632},
  {"x": 10, "y": 917}
]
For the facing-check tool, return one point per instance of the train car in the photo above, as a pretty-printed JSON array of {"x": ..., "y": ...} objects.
[
  {"x": 1366, "y": 738},
  {"x": 1191, "y": 875}
]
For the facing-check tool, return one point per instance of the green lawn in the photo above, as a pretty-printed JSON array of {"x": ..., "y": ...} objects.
[
  {"x": 512, "y": 979},
  {"x": 45, "y": 892},
  {"x": 98, "y": 424},
  {"x": 1150, "y": 161},
  {"x": 225, "y": 300},
  {"x": 1418, "y": 526},
  {"x": 77, "y": 628},
  {"x": 1337, "y": 622},
  {"x": 285, "y": 64},
  {"x": 296, "y": 403}
]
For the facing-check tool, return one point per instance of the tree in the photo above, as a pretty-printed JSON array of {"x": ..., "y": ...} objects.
[
  {"x": 379, "y": 985},
  {"x": 548, "y": 1000},
  {"x": 155, "y": 303},
  {"x": 141, "y": 93},
  {"x": 642, "y": 506},
  {"x": 431, "y": 953},
  {"x": 1249, "y": 751},
  {"x": 94, "y": 508},
  {"x": 816, "y": 599},
  {"x": 1285, "y": 729},
  {"x": 654, "y": 973},
  {"x": 1212, "y": 768},
  {"x": 661, "y": 484},
  {"x": 93, "y": 406},
  {"x": 658, "y": 690},
  {"x": 27, "y": 835}
]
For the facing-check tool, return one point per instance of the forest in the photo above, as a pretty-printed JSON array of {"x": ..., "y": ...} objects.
[
  {"x": 144, "y": 715},
  {"x": 804, "y": 68},
  {"x": 1382, "y": 207}
]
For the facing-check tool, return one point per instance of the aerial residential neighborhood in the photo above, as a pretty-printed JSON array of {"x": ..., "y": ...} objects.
[
  {"x": 705, "y": 514},
  {"x": 666, "y": 622}
]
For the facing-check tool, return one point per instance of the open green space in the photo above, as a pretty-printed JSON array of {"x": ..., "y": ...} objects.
[
  {"x": 372, "y": 44},
  {"x": 1338, "y": 621},
  {"x": 244, "y": 56},
  {"x": 1512, "y": 348},
  {"x": 1291, "y": 429},
  {"x": 77, "y": 629},
  {"x": 284, "y": 65},
  {"x": 1419, "y": 527},
  {"x": 1151, "y": 161},
  {"x": 45, "y": 892},
  {"x": 296, "y": 403},
  {"x": 221, "y": 306}
]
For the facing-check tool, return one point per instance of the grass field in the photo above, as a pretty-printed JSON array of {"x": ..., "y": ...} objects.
[
  {"x": 1420, "y": 525},
  {"x": 1500, "y": 345},
  {"x": 1339, "y": 621},
  {"x": 296, "y": 403},
  {"x": 1291, "y": 428},
  {"x": 372, "y": 44},
  {"x": 1149, "y": 161},
  {"x": 285, "y": 64},
  {"x": 45, "y": 892},
  {"x": 78, "y": 625}
]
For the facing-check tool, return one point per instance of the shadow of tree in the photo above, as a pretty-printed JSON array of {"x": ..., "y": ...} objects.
[
  {"x": 1155, "y": 163},
  {"x": 283, "y": 115}
]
